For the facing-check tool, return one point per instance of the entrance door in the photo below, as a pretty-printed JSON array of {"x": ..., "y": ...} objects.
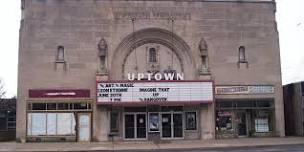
[
  {"x": 129, "y": 126},
  {"x": 135, "y": 126},
  {"x": 84, "y": 127},
  {"x": 172, "y": 125},
  {"x": 242, "y": 127},
  {"x": 141, "y": 131},
  {"x": 177, "y": 125},
  {"x": 166, "y": 131}
]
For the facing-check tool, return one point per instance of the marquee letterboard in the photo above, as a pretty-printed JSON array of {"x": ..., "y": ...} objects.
[{"x": 179, "y": 91}]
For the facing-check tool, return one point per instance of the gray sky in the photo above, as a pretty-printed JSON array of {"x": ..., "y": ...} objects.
[{"x": 290, "y": 18}]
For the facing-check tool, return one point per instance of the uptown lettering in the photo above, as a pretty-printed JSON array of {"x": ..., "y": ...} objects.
[{"x": 157, "y": 77}]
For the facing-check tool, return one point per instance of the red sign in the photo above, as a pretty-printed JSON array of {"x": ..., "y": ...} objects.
[{"x": 79, "y": 93}]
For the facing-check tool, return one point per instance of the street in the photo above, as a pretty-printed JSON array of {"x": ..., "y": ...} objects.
[
  {"x": 290, "y": 144},
  {"x": 280, "y": 148}
]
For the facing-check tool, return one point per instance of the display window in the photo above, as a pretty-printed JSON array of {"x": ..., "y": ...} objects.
[
  {"x": 262, "y": 121},
  {"x": 50, "y": 124},
  {"x": 191, "y": 123},
  {"x": 224, "y": 121},
  {"x": 153, "y": 122}
]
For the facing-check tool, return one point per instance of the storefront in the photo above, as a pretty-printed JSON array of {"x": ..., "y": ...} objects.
[
  {"x": 244, "y": 117},
  {"x": 144, "y": 110},
  {"x": 59, "y": 115}
]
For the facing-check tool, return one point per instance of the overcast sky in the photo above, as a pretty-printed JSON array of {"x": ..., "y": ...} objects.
[{"x": 290, "y": 18}]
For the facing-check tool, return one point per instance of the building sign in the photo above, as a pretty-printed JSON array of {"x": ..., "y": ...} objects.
[
  {"x": 144, "y": 91},
  {"x": 252, "y": 89},
  {"x": 157, "y": 76},
  {"x": 79, "y": 93},
  {"x": 154, "y": 13}
]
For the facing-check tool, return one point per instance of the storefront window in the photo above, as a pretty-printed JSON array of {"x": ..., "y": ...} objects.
[
  {"x": 46, "y": 124},
  {"x": 59, "y": 106},
  {"x": 224, "y": 121},
  {"x": 261, "y": 125},
  {"x": 261, "y": 122},
  {"x": 63, "y": 106},
  {"x": 38, "y": 106},
  {"x": 51, "y": 106},
  {"x": 190, "y": 120},
  {"x": 82, "y": 105},
  {"x": 153, "y": 122}
]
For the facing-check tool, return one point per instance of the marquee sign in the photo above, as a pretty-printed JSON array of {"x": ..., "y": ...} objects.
[
  {"x": 160, "y": 91},
  {"x": 250, "y": 89}
]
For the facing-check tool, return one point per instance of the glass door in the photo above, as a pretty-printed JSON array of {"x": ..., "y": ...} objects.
[
  {"x": 166, "y": 131},
  {"x": 141, "y": 131},
  {"x": 135, "y": 126},
  {"x": 172, "y": 125},
  {"x": 177, "y": 125},
  {"x": 129, "y": 126}
]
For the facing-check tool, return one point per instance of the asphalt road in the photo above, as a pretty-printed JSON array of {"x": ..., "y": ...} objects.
[{"x": 281, "y": 148}]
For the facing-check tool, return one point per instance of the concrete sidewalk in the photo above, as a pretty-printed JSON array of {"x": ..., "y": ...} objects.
[{"x": 147, "y": 145}]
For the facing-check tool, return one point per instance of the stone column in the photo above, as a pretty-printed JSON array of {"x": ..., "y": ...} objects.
[
  {"x": 207, "y": 122},
  {"x": 207, "y": 116},
  {"x": 100, "y": 117},
  {"x": 279, "y": 111},
  {"x": 21, "y": 117}
]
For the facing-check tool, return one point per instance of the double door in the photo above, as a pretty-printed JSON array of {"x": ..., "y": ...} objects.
[
  {"x": 172, "y": 125},
  {"x": 135, "y": 126}
]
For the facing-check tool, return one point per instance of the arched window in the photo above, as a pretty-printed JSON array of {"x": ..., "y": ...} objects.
[
  {"x": 152, "y": 55},
  {"x": 60, "y": 54},
  {"x": 242, "y": 55}
]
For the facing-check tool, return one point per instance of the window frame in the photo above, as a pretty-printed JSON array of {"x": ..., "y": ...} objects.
[
  {"x": 229, "y": 116},
  {"x": 196, "y": 121},
  {"x": 69, "y": 106},
  {"x": 159, "y": 121},
  {"x": 45, "y": 132},
  {"x": 59, "y": 59},
  {"x": 153, "y": 55},
  {"x": 242, "y": 54},
  {"x": 117, "y": 122}
]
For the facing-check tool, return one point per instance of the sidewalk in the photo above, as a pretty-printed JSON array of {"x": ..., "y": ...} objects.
[{"x": 142, "y": 145}]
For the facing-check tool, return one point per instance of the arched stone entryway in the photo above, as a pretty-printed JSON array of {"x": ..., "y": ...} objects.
[{"x": 158, "y": 36}]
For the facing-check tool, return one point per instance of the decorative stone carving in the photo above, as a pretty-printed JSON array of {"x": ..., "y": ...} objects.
[
  {"x": 203, "y": 47},
  {"x": 102, "y": 53},
  {"x": 204, "y": 57}
]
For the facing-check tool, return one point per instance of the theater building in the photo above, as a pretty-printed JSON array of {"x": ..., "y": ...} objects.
[{"x": 105, "y": 70}]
